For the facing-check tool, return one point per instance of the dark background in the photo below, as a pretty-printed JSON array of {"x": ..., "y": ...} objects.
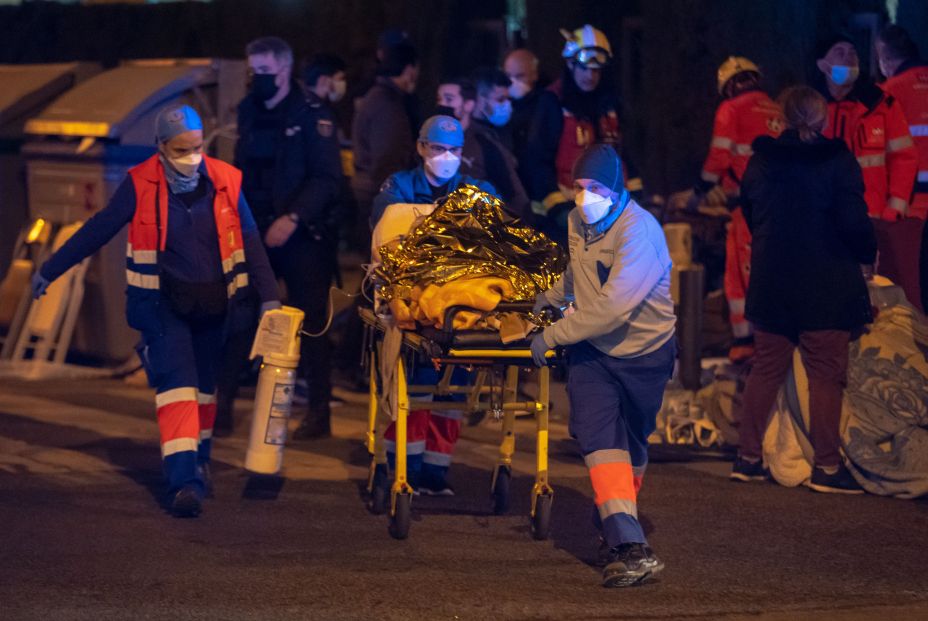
[{"x": 667, "y": 51}]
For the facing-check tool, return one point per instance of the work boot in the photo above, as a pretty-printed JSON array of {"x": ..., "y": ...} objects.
[
  {"x": 840, "y": 481},
  {"x": 187, "y": 502},
  {"x": 746, "y": 470},
  {"x": 630, "y": 564},
  {"x": 314, "y": 425}
]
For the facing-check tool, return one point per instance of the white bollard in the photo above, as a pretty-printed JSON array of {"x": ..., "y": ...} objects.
[{"x": 278, "y": 341}]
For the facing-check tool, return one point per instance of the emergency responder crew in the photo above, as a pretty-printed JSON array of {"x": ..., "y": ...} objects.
[
  {"x": 194, "y": 257},
  {"x": 746, "y": 113},
  {"x": 578, "y": 110},
  {"x": 873, "y": 125},
  {"x": 521, "y": 67},
  {"x": 431, "y": 435},
  {"x": 907, "y": 82},
  {"x": 383, "y": 134},
  {"x": 620, "y": 349},
  {"x": 292, "y": 174},
  {"x": 488, "y": 126}
]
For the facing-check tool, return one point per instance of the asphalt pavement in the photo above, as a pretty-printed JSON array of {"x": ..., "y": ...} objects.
[{"x": 83, "y": 534}]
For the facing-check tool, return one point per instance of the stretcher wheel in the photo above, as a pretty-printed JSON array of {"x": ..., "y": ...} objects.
[
  {"x": 380, "y": 490},
  {"x": 500, "y": 491},
  {"x": 541, "y": 521},
  {"x": 399, "y": 521}
]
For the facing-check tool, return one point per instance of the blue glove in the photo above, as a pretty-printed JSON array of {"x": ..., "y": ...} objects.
[
  {"x": 541, "y": 302},
  {"x": 539, "y": 349},
  {"x": 39, "y": 284},
  {"x": 269, "y": 305}
]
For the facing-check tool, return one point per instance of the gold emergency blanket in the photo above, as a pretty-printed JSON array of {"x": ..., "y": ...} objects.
[{"x": 467, "y": 252}]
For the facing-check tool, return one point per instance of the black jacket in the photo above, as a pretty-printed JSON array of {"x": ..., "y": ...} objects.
[
  {"x": 805, "y": 207},
  {"x": 308, "y": 169}
]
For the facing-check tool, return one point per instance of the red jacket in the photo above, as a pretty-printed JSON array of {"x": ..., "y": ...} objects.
[
  {"x": 148, "y": 229},
  {"x": 738, "y": 121},
  {"x": 909, "y": 87},
  {"x": 874, "y": 127}
]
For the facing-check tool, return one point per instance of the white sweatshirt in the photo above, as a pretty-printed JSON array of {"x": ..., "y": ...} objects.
[{"x": 620, "y": 281}]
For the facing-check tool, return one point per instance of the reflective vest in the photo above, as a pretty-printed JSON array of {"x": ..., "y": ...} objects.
[
  {"x": 738, "y": 121},
  {"x": 910, "y": 89},
  {"x": 879, "y": 138},
  {"x": 148, "y": 229}
]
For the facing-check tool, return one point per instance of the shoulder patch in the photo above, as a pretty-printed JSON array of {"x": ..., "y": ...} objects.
[{"x": 325, "y": 127}]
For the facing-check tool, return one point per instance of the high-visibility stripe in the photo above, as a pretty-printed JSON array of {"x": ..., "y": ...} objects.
[
  {"x": 238, "y": 256},
  {"x": 436, "y": 459},
  {"x": 174, "y": 395},
  {"x": 918, "y": 130},
  {"x": 205, "y": 398},
  {"x": 871, "y": 161},
  {"x": 638, "y": 471},
  {"x": 178, "y": 445},
  {"x": 412, "y": 448},
  {"x": 897, "y": 204},
  {"x": 144, "y": 257},
  {"x": 741, "y": 329},
  {"x": 898, "y": 144},
  {"x": 142, "y": 281},
  {"x": 736, "y": 306},
  {"x": 923, "y": 176},
  {"x": 721, "y": 142},
  {"x": 612, "y": 481},
  {"x": 742, "y": 149},
  {"x": 239, "y": 282},
  {"x": 709, "y": 176},
  {"x": 607, "y": 456},
  {"x": 178, "y": 420},
  {"x": 206, "y": 434},
  {"x": 614, "y": 506},
  {"x": 454, "y": 415}
]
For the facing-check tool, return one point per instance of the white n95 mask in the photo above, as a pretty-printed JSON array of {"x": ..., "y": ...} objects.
[
  {"x": 187, "y": 164},
  {"x": 443, "y": 166},
  {"x": 592, "y": 206}
]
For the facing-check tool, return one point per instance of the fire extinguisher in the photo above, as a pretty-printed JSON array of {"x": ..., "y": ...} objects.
[{"x": 278, "y": 342}]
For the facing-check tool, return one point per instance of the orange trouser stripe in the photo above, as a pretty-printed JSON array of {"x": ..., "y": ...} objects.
[
  {"x": 612, "y": 481},
  {"x": 179, "y": 419}
]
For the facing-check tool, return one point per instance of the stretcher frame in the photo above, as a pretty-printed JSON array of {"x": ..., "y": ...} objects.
[{"x": 481, "y": 396}]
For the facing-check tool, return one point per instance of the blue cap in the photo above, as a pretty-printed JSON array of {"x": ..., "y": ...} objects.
[
  {"x": 443, "y": 129},
  {"x": 601, "y": 163},
  {"x": 175, "y": 120}
]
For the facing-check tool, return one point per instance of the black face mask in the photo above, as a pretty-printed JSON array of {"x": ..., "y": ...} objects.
[
  {"x": 446, "y": 111},
  {"x": 263, "y": 86}
]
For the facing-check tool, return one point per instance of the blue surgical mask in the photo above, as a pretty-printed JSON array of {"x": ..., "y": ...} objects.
[
  {"x": 500, "y": 113},
  {"x": 844, "y": 74}
]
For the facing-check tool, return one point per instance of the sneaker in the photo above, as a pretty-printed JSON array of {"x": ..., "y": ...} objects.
[
  {"x": 314, "y": 426},
  {"x": 839, "y": 482},
  {"x": 744, "y": 470},
  {"x": 187, "y": 502},
  {"x": 630, "y": 564},
  {"x": 439, "y": 489}
]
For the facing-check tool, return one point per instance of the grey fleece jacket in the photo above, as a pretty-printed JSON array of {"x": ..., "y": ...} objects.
[{"x": 620, "y": 281}]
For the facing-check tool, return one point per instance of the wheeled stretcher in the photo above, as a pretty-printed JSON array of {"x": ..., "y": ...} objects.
[{"x": 494, "y": 389}]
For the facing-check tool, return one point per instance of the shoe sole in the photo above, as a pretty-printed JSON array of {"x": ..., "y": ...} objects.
[
  {"x": 427, "y": 492},
  {"x": 617, "y": 581},
  {"x": 824, "y": 489},
  {"x": 187, "y": 509},
  {"x": 746, "y": 478}
]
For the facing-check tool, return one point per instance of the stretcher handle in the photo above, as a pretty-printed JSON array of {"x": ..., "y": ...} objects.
[{"x": 503, "y": 307}]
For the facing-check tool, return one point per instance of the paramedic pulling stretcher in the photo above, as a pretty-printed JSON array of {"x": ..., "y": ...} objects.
[{"x": 620, "y": 350}]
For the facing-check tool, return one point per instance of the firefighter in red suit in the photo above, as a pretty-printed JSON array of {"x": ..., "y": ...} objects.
[{"x": 746, "y": 113}]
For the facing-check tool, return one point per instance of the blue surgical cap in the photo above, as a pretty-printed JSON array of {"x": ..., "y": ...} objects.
[
  {"x": 443, "y": 129},
  {"x": 175, "y": 120}
]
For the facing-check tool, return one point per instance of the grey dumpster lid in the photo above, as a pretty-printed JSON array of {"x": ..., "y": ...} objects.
[
  {"x": 24, "y": 87},
  {"x": 103, "y": 106}
]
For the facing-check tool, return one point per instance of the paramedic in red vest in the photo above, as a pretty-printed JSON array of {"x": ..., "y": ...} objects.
[
  {"x": 746, "y": 113},
  {"x": 873, "y": 125},
  {"x": 577, "y": 111},
  {"x": 194, "y": 261},
  {"x": 907, "y": 82}
]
